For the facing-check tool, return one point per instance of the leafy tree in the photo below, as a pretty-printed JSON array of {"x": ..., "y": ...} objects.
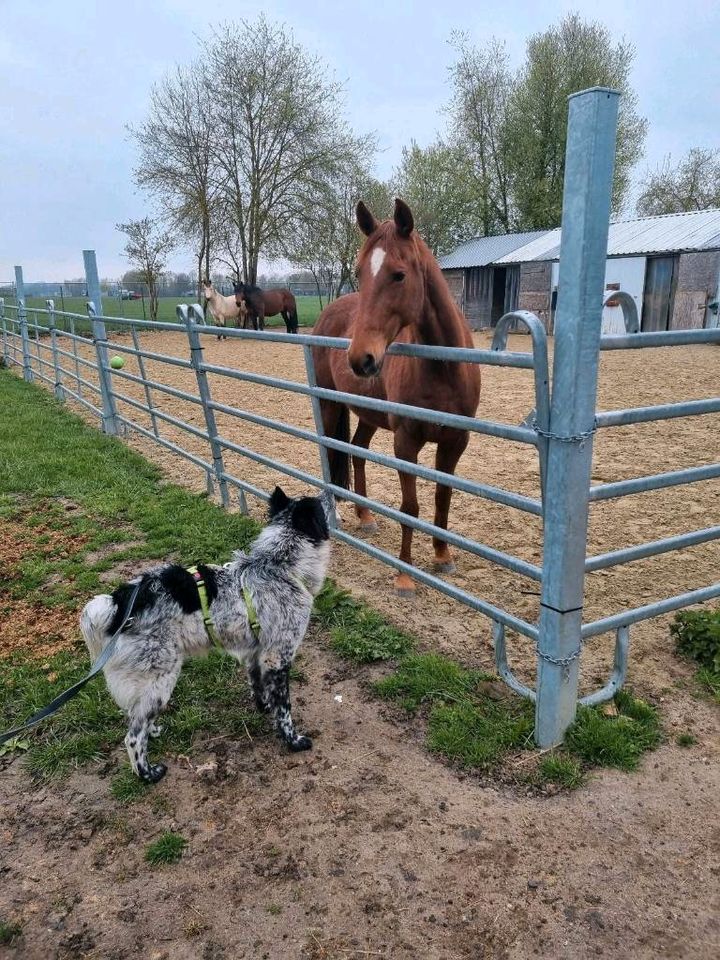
[
  {"x": 568, "y": 57},
  {"x": 440, "y": 185},
  {"x": 176, "y": 157},
  {"x": 513, "y": 126},
  {"x": 147, "y": 248},
  {"x": 326, "y": 241},
  {"x": 694, "y": 184},
  {"x": 483, "y": 85}
]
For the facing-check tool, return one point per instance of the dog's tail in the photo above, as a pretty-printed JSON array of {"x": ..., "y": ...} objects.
[
  {"x": 95, "y": 621},
  {"x": 338, "y": 461}
]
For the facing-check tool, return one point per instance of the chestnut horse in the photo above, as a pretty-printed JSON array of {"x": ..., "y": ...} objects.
[
  {"x": 223, "y": 308},
  {"x": 402, "y": 297},
  {"x": 267, "y": 303}
]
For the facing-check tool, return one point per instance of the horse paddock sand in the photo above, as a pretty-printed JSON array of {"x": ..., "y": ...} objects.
[{"x": 368, "y": 846}]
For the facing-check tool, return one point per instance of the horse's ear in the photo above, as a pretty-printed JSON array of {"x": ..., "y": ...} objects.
[
  {"x": 404, "y": 222},
  {"x": 365, "y": 220}
]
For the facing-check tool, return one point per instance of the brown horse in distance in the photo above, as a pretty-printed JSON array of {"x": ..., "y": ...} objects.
[
  {"x": 402, "y": 297},
  {"x": 266, "y": 303}
]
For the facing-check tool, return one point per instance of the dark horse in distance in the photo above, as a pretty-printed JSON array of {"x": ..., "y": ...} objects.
[
  {"x": 267, "y": 303},
  {"x": 402, "y": 297}
]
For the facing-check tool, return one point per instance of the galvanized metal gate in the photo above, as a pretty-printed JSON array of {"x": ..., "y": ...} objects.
[{"x": 561, "y": 428}]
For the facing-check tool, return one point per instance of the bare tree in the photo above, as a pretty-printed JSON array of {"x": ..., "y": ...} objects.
[
  {"x": 277, "y": 115},
  {"x": 146, "y": 249},
  {"x": 326, "y": 240},
  {"x": 176, "y": 161},
  {"x": 694, "y": 184}
]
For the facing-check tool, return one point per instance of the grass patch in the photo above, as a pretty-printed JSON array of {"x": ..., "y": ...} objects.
[
  {"x": 126, "y": 787},
  {"x": 561, "y": 769},
  {"x": 168, "y": 848},
  {"x": 357, "y": 632},
  {"x": 697, "y": 637},
  {"x": 620, "y": 741},
  {"x": 9, "y": 933},
  {"x": 370, "y": 639},
  {"x": 466, "y": 723},
  {"x": 428, "y": 678},
  {"x": 686, "y": 740}
]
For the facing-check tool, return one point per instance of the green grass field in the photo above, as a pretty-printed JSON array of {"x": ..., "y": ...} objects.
[{"x": 308, "y": 309}]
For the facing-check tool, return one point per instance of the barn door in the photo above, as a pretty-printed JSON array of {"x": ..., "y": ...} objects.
[{"x": 659, "y": 293}]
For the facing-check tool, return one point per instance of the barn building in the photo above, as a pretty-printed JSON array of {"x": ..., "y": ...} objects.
[{"x": 670, "y": 265}]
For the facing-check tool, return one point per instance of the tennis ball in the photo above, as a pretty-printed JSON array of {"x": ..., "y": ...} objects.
[{"x": 117, "y": 363}]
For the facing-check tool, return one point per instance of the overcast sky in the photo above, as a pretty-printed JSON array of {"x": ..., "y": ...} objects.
[{"x": 73, "y": 73}]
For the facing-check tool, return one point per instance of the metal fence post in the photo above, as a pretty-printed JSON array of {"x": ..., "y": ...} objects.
[
  {"x": 5, "y": 350},
  {"x": 186, "y": 316},
  {"x": 589, "y": 161},
  {"x": 59, "y": 393},
  {"x": 317, "y": 414},
  {"x": 22, "y": 321},
  {"x": 94, "y": 308}
]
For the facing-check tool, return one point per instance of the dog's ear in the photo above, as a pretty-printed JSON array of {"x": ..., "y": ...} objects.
[
  {"x": 309, "y": 520},
  {"x": 279, "y": 501}
]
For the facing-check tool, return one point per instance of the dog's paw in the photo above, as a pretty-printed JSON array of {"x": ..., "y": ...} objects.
[
  {"x": 155, "y": 773},
  {"x": 154, "y": 730},
  {"x": 300, "y": 743}
]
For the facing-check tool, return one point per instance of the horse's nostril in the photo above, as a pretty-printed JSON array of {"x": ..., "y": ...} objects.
[{"x": 368, "y": 365}]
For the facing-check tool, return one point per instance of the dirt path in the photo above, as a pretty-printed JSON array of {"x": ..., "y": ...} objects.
[{"x": 366, "y": 847}]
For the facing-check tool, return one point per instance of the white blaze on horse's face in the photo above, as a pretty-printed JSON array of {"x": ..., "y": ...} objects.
[{"x": 376, "y": 260}]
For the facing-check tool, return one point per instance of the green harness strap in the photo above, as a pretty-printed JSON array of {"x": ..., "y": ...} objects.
[
  {"x": 204, "y": 605},
  {"x": 253, "y": 621}
]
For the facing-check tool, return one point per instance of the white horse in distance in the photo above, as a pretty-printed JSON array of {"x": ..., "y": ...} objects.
[{"x": 223, "y": 309}]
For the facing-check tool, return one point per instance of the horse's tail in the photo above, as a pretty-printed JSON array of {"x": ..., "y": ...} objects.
[{"x": 339, "y": 462}]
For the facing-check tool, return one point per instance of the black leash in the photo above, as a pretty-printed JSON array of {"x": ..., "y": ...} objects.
[{"x": 68, "y": 694}]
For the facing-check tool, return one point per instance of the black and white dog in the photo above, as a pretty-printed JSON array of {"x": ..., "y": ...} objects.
[{"x": 280, "y": 575}]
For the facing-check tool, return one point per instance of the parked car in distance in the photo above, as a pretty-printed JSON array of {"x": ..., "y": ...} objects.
[{"x": 135, "y": 296}]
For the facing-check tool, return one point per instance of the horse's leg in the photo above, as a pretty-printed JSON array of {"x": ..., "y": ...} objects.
[
  {"x": 448, "y": 454},
  {"x": 407, "y": 447},
  {"x": 362, "y": 437},
  {"x": 261, "y": 318}
]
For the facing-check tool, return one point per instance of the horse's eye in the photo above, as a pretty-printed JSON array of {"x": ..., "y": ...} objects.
[{"x": 398, "y": 276}]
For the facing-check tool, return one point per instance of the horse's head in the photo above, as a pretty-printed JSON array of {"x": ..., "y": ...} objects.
[
  {"x": 207, "y": 288},
  {"x": 239, "y": 289},
  {"x": 391, "y": 283}
]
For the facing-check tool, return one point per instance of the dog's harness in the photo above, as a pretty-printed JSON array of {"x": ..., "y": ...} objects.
[{"x": 253, "y": 621}]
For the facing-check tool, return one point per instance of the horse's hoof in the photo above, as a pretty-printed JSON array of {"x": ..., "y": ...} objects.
[
  {"x": 405, "y": 592},
  {"x": 371, "y": 527},
  {"x": 445, "y": 567}
]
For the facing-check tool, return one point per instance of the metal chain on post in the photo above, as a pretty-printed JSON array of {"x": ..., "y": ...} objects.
[
  {"x": 187, "y": 316},
  {"x": 592, "y": 123},
  {"x": 22, "y": 321},
  {"x": 95, "y": 312},
  {"x": 59, "y": 392},
  {"x": 319, "y": 429}
]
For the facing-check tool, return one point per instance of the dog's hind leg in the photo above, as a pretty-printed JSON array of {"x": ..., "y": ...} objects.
[
  {"x": 142, "y": 717},
  {"x": 256, "y": 685},
  {"x": 276, "y": 694}
]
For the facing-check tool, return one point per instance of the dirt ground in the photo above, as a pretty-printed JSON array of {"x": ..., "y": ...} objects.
[{"x": 368, "y": 846}]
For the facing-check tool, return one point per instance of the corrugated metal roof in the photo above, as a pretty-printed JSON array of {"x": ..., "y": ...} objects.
[
  {"x": 483, "y": 250},
  {"x": 697, "y": 230}
]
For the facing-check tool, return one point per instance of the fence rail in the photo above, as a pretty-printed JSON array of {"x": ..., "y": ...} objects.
[{"x": 561, "y": 428}]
